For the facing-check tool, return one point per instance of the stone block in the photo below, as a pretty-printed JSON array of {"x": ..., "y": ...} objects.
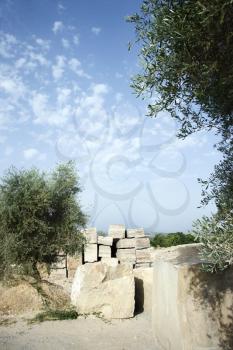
[
  {"x": 90, "y": 252},
  {"x": 98, "y": 288},
  {"x": 91, "y": 234},
  {"x": 194, "y": 305},
  {"x": 143, "y": 265},
  {"x": 126, "y": 255},
  {"x": 116, "y": 231},
  {"x": 126, "y": 243},
  {"x": 104, "y": 251},
  {"x": 142, "y": 243},
  {"x": 143, "y": 255},
  {"x": 135, "y": 232},
  {"x": 105, "y": 240},
  {"x": 110, "y": 261}
]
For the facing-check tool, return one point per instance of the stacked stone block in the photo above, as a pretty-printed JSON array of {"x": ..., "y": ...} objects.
[{"x": 120, "y": 246}]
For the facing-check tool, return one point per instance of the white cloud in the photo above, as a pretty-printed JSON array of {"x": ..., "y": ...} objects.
[
  {"x": 96, "y": 30},
  {"x": 58, "y": 26},
  {"x": 60, "y": 7},
  {"x": 75, "y": 66},
  {"x": 65, "y": 43},
  {"x": 58, "y": 68},
  {"x": 7, "y": 42},
  {"x": 30, "y": 153},
  {"x": 44, "y": 44},
  {"x": 76, "y": 39}
]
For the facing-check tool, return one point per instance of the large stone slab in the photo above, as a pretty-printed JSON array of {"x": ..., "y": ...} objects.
[
  {"x": 104, "y": 251},
  {"x": 126, "y": 255},
  {"x": 105, "y": 240},
  {"x": 135, "y": 232},
  {"x": 126, "y": 243},
  {"x": 116, "y": 231},
  {"x": 196, "y": 307},
  {"x": 91, "y": 234},
  {"x": 110, "y": 261},
  {"x": 142, "y": 243},
  {"x": 143, "y": 255},
  {"x": 98, "y": 288},
  {"x": 90, "y": 252}
]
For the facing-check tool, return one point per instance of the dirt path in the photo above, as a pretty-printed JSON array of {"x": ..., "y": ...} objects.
[{"x": 80, "y": 334}]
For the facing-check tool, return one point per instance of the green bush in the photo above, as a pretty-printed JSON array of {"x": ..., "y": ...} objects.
[
  {"x": 172, "y": 239},
  {"x": 39, "y": 216}
]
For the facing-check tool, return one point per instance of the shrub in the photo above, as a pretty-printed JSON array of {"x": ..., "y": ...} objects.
[{"x": 172, "y": 239}]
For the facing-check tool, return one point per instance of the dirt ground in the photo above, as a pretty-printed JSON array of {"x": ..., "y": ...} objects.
[{"x": 80, "y": 334}]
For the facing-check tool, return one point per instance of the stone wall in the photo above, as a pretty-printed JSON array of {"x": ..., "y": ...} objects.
[{"x": 191, "y": 309}]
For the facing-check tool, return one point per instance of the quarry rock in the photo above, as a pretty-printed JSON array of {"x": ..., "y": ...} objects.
[
  {"x": 143, "y": 290},
  {"x": 105, "y": 240},
  {"x": 116, "y": 231},
  {"x": 126, "y": 255},
  {"x": 143, "y": 255},
  {"x": 104, "y": 251},
  {"x": 135, "y": 232},
  {"x": 90, "y": 252},
  {"x": 195, "y": 306},
  {"x": 91, "y": 235},
  {"x": 126, "y": 243},
  {"x": 98, "y": 288},
  {"x": 110, "y": 261},
  {"x": 141, "y": 243}
]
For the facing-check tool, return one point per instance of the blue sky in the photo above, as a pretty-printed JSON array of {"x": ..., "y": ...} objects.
[{"x": 65, "y": 94}]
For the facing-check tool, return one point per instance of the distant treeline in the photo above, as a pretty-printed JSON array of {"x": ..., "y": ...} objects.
[{"x": 171, "y": 239}]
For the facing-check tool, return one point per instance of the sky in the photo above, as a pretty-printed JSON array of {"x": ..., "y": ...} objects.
[{"x": 65, "y": 94}]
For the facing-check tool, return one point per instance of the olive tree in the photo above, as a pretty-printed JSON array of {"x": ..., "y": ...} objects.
[{"x": 40, "y": 216}]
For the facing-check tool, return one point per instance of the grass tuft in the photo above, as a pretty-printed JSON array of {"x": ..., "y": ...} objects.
[{"x": 53, "y": 315}]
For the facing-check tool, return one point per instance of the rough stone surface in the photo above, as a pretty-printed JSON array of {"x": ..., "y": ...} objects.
[
  {"x": 90, "y": 253},
  {"x": 126, "y": 243},
  {"x": 143, "y": 290},
  {"x": 91, "y": 235},
  {"x": 135, "y": 232},
  {"x": 116, "y": 231},
  {"x": 143, "y": 255},
  {"x": 104, "y": 251},
  {"x": 110, "y": 261},
  {"x": 195, "y": 307},
  {"x": 126, "y": 255},
  {"x": 139, "y": 265},
  {"x": 105, "y": 240},
  {"x": 98, "y": 288},
  {"x": 142, "y": 243}
]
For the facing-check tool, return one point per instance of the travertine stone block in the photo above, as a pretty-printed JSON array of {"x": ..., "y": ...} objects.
[
  {"x": 126, "y": 243},
  {"x": 116, "y": 231},
  {"x": 104, "y": 251},
  {"x": 105, "y": 240},
  {"x": 143, "y": 265},
  {"x": 141, "y": 243},
  {"x": 135, "y": 232},
  {"x": 90, "y": 252},
  {"x": 91, "y": 235},
  {"x": 143, "y": 255},
  {"x": 126, "y": 255},
  {"x": 110, "y": 261}
]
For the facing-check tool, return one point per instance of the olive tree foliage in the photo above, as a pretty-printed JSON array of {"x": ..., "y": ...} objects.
[
  {"x": 40, "y": 216},
  {"x": 186, "y": 53}
]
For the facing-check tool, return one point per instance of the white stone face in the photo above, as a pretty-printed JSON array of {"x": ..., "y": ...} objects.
[
  {"x": 105, "y": 240},
  {"x": 91, "y": 235},
  {"x": 141, "y": 243},
  {"x": 135, "y": 232},
  {"x": 126, "y": 255},
  {"x": 143, "y": 255},
  {"x": 126, "y": 243},
  {"x": 98, "y": 288},
  {"x": 110, "y": 261},
  {"x": 104, "y": 251},
  {"x": 116, "y": 231},
  {"x": 90, "y": 252}
]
